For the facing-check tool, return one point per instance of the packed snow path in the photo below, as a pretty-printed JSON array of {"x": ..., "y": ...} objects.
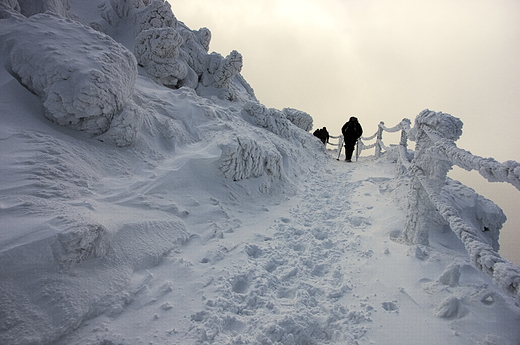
[{"x": 317, "y": 268}]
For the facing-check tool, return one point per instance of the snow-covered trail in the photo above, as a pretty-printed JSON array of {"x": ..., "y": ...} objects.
[{"x": 317, "y": 268}]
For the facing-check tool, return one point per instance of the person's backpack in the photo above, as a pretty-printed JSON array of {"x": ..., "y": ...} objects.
[{"x": 345, "y": 128}]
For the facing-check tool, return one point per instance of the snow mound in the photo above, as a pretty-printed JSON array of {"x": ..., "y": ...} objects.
[
  {"x": 66, "y": 296},
  {"x": 482, "y": 213},
  {"x": 83, "y": 77}
]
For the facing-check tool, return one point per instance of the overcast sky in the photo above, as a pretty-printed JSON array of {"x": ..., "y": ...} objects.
[{"x": 382, "y": 60}]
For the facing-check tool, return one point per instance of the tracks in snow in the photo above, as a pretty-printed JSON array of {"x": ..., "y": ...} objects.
[{"x": 298, "y": 282}]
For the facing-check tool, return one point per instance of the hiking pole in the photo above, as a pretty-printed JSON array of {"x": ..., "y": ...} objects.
[
  {"x": 357, "y": 149},
  {"x": 340, "y": 144}
]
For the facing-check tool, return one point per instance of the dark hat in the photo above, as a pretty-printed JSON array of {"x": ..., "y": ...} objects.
[{"x": 353, "y": 118}]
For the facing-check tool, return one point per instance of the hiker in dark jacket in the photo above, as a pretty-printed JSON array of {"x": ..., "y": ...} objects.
[
  {"x": 352, "y": 131},
  {"x": 322, "y": 134}
]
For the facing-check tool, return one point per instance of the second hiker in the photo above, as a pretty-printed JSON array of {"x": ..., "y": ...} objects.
[{"x": 323, "y": 135}]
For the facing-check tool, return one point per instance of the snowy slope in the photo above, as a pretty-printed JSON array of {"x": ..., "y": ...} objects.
[{"x": 180, "y": 210}]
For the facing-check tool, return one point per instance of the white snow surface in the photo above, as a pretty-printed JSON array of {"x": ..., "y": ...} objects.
[
  {"x": 83, "y": 77},
  {"x": 200, "y": 216}
]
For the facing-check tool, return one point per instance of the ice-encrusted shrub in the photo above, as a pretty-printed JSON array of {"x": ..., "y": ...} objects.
[
  {"x": 244, "y": 157},
  {"x": 218, "y": 74},
  {"x": 299, "y": 118},
  {"x": 158, "y": 14},
  {"x": 203, "y": 36},
  {"x": 220, "y": 70},
  {"x": 269, "y": 152},
  {"x": 143, "y": 14},
  {"x": 272, "y": 119},
  {"x": 83, "y": 77},
  {"x": 196, "y": 46},
  {"x": 174, "y": 55},
  {"x": 158, "y": 51},
  {"x": 158, "y": 40}
]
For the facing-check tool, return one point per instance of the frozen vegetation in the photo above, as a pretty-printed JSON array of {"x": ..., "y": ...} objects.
[{"x": 148, "y": 197}]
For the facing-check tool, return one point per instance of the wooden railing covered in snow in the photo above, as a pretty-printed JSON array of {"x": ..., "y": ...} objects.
[{"x": 435, "y": 153}]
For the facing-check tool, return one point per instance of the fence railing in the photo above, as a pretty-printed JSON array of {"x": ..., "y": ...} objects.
[
  {"x": 434, "y": 134},
  {"x": 403, "y": 126}
]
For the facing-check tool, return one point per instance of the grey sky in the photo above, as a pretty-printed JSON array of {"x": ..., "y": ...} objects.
[{"x": 383, "y": 60}]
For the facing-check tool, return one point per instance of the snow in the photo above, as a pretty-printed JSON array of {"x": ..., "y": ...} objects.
[
  {"x": 299, "y": 118},
  {"x": 167, "y": 213},
  {"x": 83, "y": 92}
]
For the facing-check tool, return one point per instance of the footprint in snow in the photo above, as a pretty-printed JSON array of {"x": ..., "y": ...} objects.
[
  {"x": 253, "y": 251},
  {"x": 390, "y": 306},
  {"x": 240, "y": 284},
  {"x": 359, "y": 221}
]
